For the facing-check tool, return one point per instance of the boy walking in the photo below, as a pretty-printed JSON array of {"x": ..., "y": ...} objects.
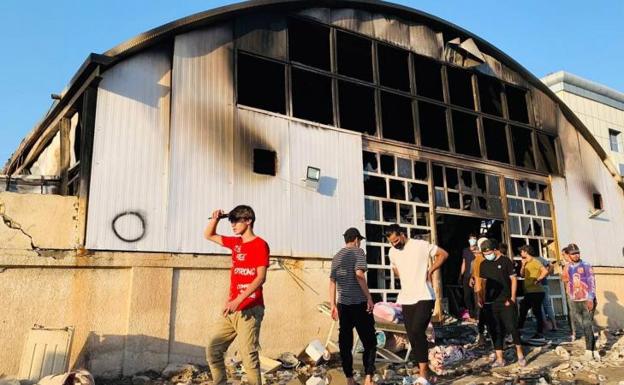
[
  {"x": 354, "y": 306},
  {"x": 244, "y": 309}
]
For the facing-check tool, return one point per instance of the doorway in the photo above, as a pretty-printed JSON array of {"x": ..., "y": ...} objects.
[{"x": 452, "y": 235}]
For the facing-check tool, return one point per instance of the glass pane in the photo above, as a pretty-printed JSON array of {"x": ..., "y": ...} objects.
[
  {"x": 393, "y": 67},
  {"x": 541, "y": 192},
  {"x": 375, "y": 186},
  {"x": 525, "y": 223},
  {"x": 493, "y": 186},
  {"x": 543, "y": 209},
  {"x": 387, "y": 164},
  {"x": 404, "y": 168},
  {"x": 522, "y": 189},
  {"x": 418, "y": 193},
  {"x": 440, "y": 198},
  {"x": 422, "y": 216},
  {"x": 515, "y": 206},
  {"x": 452, "y": 181},
  {"x": 514, "y": 225},
  {"x": 537, "y": 227},
  {"x": 369, "y": 160},
  {"x": 371, "y": 210},
  {"x": 532, "y": 190},
  {"x": 495, "y": 140},
  {"x": 453, "y": 200},
  {"x": 529, "y": 208},
  {"x": 548, "y": 228},
  {"x": 496, "y": 206},
  {"x": 432, "y": 119},
  {"x": 373, "y": 255},
  {"x": 397, "y": 189},
  {"x": 389, "y": 212},
  {"x": 420, "y": 170},
  {"x": 510, "y": 186},
  {"x": 406, "y": 214},
  {"x": 355, "y": 56}
]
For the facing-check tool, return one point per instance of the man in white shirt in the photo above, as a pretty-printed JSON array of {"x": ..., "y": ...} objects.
[{"x": 411, "y": 262}]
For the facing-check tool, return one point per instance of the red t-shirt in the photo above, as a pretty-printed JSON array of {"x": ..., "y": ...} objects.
[{"x": 246, "y": 258}]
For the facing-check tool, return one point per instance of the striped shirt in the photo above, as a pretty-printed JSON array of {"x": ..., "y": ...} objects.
[{"x": 344, "y": 266}]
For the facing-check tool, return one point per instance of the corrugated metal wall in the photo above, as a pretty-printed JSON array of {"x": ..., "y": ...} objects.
[{"x": 175, "y": 177}]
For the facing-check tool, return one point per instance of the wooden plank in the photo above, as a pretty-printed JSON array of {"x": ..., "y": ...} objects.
[
  {"x": 87, "y": 119},
  {"x": 64, "y": 128}
]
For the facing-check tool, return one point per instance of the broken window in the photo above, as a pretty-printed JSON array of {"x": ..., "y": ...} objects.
[
  {"x": 375, "y": 186},
  {"x": 529, "y": 207},
  {"x": 373, "y": 255},
  {"x": 510, "y": 186},
  {"x": 452, "y": 181},
  {"x": 374, "y": 233},
  {"x": 396, "y": 115},
  {"x": 523, "y": 147},
  {"x": 371, "y": 210},
  {"x": 543, "y": 209},
  {"x": 369, "y": 161},
  {"x": 466, "y": 180},
  {"x": 397, "y": 189},
  {"x": 495, "y": 140},
  {"x": 406, "y": 214},
  {"x": 389, "y": 210},
  {"x": 438, "y": 176},
  {"x": 404, "y": 168},
  {"x": 514, "y": 205},
  {"x": 428, "y": 75},
  {"x": 523, "y": 191},
  {"x": 490, "y": 95},
  {"x": 420, "y": 170},
  {"x": 547, "y": 153},
  {"x": 453, "y": 200},
  {"x": 418, "y": 193},
  {"x": 308, "y": 43},
  {"x": 460, "y": 87},
  {"x": 393, "y": 67},
  {"x": 357, "y": 108},
  {"x": 261, "y": 84},
  {"x": 355, "y": 58},
  {"x": 517, "y": 104},
  {"x": 387, "y": 164},
  {"x": 466, "y": 135},
  {"x": 480, "y": 183},
  {"x": 312, "y": 96},
  {"x": 432, "y": 120},
  {"x": 422, "y": 217},
  {"x": 264, "y": 161}
]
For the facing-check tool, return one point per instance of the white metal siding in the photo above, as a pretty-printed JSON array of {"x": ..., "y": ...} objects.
[{"x": 130, "y": 152}]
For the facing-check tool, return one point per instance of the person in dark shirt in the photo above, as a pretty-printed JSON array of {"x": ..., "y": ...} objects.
[
  {"x": 500, "y": 300},
  {"x": 465, "y": 276}
]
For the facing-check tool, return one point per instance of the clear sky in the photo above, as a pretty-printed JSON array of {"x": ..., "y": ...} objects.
[{"x": 44, "y": 42}]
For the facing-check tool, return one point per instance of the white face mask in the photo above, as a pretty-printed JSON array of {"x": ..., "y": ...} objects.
[
  {"x": 490, "y": 257},
  {"x": 472, "y": 241}
]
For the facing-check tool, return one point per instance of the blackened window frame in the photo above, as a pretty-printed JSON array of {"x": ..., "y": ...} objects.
[{"x": 413, "y": 94}]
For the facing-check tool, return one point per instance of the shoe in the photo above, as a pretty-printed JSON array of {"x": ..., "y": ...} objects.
[
  {"x": 522, "y": 362},
  {"x": 498, "y": 364},
  {"x": 538, "y": 337}
]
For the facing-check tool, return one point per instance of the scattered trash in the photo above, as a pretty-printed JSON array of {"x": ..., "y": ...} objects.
[
  {"x": 562, "y": 352},
  {"x": 78, "y": 377},
  {"x": 317, "y": 351}
]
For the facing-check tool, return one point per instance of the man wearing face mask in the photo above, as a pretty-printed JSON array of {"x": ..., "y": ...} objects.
[
  {"x": 411, "y": 262},
  {"x": 466, "y": 275},
  {"x": 499, "y": 307}
]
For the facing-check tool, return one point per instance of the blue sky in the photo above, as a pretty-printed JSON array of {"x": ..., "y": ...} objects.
[{"x": 45, "y": 42}]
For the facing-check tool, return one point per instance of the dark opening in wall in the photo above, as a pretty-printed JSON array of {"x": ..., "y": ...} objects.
[
  {"x": 452, "y": 181},
  {"x": 261, "y": 84},
  {"x": 466, "y": 180},
  {"x": 460, "y": 87},
  {"x": 490, "y": 95},
  {"x": 418, "y": 193},
  {"x": 393, "y": 67},
  {"x": 517, "y": 104},
  {"x": 420, "y": 170},
  {"x": 495, "y": 140},
  {"x": 374, "y": 233},
  {"x": 357, "y": 108},
  {"x": 438, "y": 176},
  {"x": 404, "y": 168},
  {"x": 428, "y": 78},
  {"x": 597, "y": 201},
  {"x": 406, "y": 214},
  {"x": 523, "y": 147},
  {"x": 432, "y": 120},
  {"x": 373, "y": 255},
  {"x": 355, "y": 57},
  {"x": 397, "y": 119},
  {"x": 466, "y": 134},
  {"x": 397, "y": 189},
  {"x": 422, "y": 219},
  {"x": 547, "y": 154},
  {"x": 389, "y": 210},
  {"x": 453, "y": 200},
  {"x": 312, "y": 96},
  {"x": 375, "y": 186},
  {"x": 480, "y": 183},
  {"x": 308, "y": 43},
  {"x": 369, "y": 160},
  {"x": 387, "y": 164},
  {"x": 264, "y": 161}
]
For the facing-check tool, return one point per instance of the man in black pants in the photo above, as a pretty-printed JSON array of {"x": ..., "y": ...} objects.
[
  {"x": 355, "y": 305},
  {"x": 499, "y": 308},
  {"x": 411, "y": 261},
  {"x": 465, "y": 277},
  {"x": 534, "y": 273}
]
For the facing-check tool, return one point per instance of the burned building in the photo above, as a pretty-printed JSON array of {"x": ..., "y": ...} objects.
[{"x": 321, "y": 115}]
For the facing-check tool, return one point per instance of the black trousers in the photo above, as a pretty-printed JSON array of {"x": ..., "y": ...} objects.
[
  {"x": 356, "y": 316},
  {"x": 469, "y": 299},
  {"x": 501, "y": 320},
  {"x": 417, "y": 317},
  {"x": 532, "y": 301}
]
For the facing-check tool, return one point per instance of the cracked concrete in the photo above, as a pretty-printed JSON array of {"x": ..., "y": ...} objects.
[{"x": 10, "y": 223}]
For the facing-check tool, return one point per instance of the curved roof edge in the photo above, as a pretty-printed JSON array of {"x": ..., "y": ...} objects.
[{"x": 156, "y": 35}]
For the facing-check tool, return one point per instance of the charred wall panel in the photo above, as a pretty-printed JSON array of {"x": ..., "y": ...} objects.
[
  {"x": 130, "y": 155},
  {"x": 545, "y": 111},
  {"x": 262, "y": 34}
]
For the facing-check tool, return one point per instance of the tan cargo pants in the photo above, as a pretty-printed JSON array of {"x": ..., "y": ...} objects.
[{"x": 246, "y": 326}]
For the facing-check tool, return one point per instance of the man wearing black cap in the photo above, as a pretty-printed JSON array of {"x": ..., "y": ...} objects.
[
  {"x": 566, "y": 281},
  {"x": 500, "y": 300},
  {"x": 354, "y": 307}
]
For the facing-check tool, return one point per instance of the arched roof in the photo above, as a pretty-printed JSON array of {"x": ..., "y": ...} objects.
[{"x": 154, "y": 36}]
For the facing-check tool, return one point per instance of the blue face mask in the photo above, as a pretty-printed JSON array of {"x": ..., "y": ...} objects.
[
  {"x": 490, "y": 257},
  {"x": 472, "y": 241}
]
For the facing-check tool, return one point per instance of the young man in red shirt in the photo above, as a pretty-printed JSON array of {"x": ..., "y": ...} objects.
[{"x": 244, "y": 309}]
